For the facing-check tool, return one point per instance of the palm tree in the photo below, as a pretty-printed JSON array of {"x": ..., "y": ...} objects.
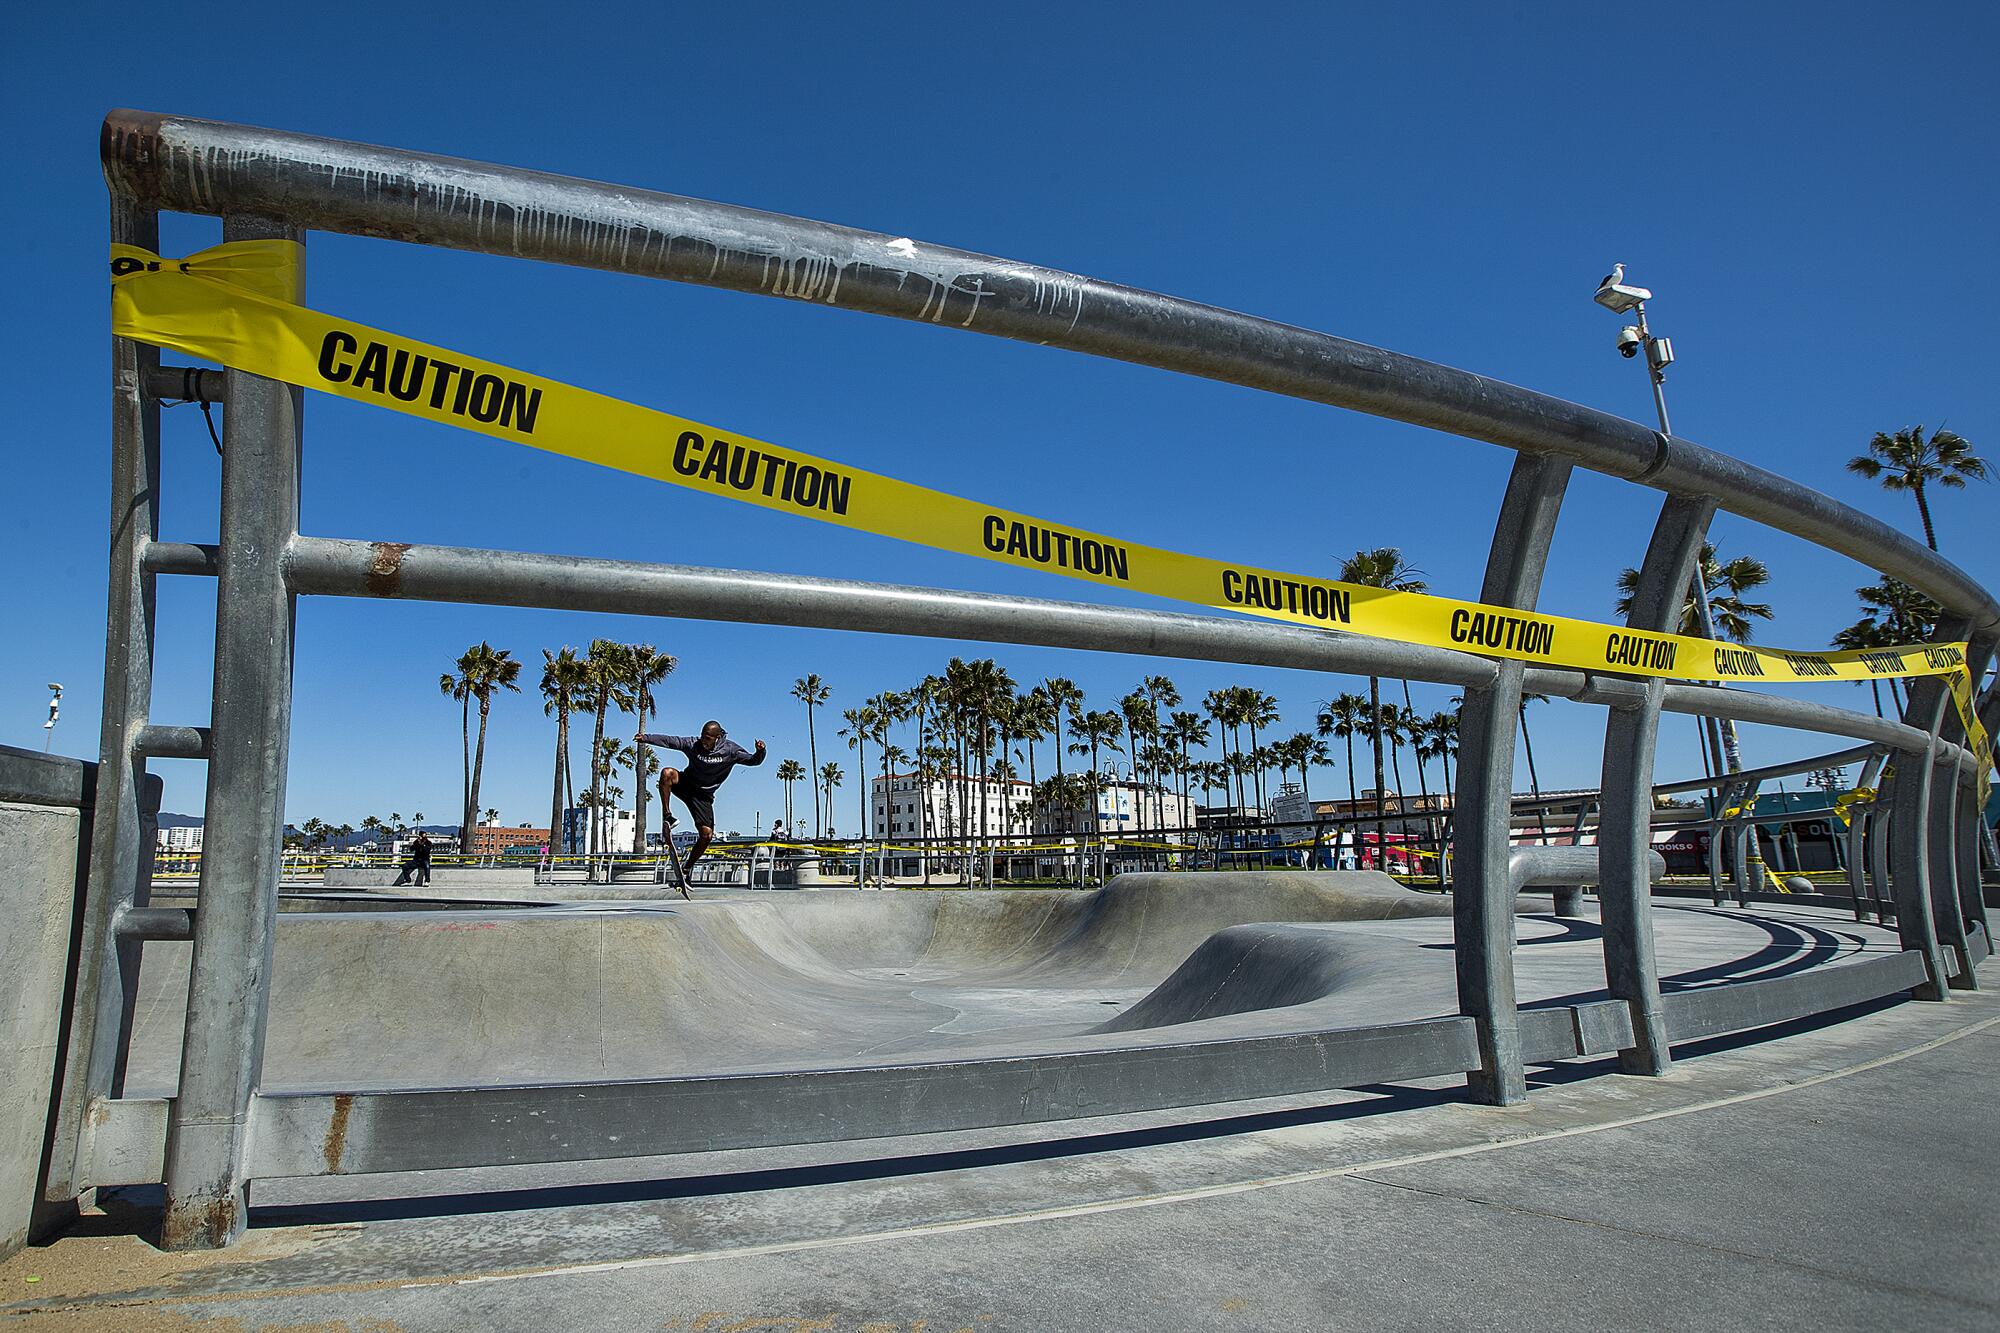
[
  {"x": 482, "y": 669},
  {"x": 372, "y": 826},
  {"x": 1391, "y": 725},
  {"x": 1164, "y": 695},
  {"x": 1731, "y": 613},
  {"x": 861, "y": 724},
  {"x": 1900, "y": 609},
  {"x": 1441, "y": 743},
  {"x": 645, "y": 667},
  {"x": 1259, "y": 710},
  {"x": 612, "y": 755},
  {"x": 1063, "y": 697},
  {"x": 1140, "y": 718},
  {"x": 1865, "y": 633},
  {"x": 1727, "y": 584},
  {"x": 606, "y": 686},
  {"x": 565, "y": 679},
  {"x": 890, "y": 708},
  {"x": 790, "y": 772},
  {"x": 1300, "y": 750},
  {"x": 1034, "y": 719},
  {"x": 1187, "y": 729},
  {"x": 812, "y": 692},
  {"x": 1892, "y": 614},
  {"x": 1226, "y": 707},
  {"x": 1415, "y": 731},
  {"x": 1383, "y": 567},
  {"x": 1442, "y": 729},
  {"x": 1215, "y": 776},
  {"x": 1344, "y": 716},
  {"x": 830, "y": 777},
  {"x": 454, "y": 687},
  {"x": 1091, "y": 731},
  {"x": 1907, "y": 461}
]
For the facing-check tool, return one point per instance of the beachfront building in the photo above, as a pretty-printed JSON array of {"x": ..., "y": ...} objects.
[{"x": 903, "y": 805}]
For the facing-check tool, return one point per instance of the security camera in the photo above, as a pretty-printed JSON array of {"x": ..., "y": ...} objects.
[{"x": 1629, "y": 342}]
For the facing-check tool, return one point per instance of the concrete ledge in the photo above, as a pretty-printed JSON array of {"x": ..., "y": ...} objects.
[
  {"x": 312, "y": 1134},
  {"x": 39, "y": 857},
  {"x": 1709, "y": 1010},
  {"x": 496, "y": 877},
  {"x": 46, "y": 779}
]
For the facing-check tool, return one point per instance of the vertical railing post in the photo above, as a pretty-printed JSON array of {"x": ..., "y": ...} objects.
[
  {"x": 1910, "y": 843},
  {"x": 1858, "y": 832},
  {"x": 1969, "y": 828},
  {"x": 1625, "y": 818},
  {"x": 107, "y": 968},
  {"x": 1483, "y": 898},
  {"x": 242, "y": 852},
  {"x": 1988, "y": 709},
  {"x": 1956, "y": 906},
  {"x": 1881, "y": 883}
]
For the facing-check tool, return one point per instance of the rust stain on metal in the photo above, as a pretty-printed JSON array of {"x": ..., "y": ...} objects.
[
  {"x": 202, "y": 1227},
  {"x": 385, "y": 570},
  {"x": 335, "y": 1146},
  {"x": 131, "y": 141}
]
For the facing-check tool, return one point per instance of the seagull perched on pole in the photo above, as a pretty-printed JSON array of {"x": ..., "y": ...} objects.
[{"x": 1615, "y": 296}]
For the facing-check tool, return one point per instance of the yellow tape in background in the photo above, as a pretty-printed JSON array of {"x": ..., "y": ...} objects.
[{"x": 234, "y": 303}]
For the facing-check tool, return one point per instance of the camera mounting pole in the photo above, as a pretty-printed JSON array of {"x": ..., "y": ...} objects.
[{"x": 1659, "y": 355}]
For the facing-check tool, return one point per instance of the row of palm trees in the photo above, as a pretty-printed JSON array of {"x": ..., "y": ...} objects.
[
  {"x": 607, "y": 675},
  {"x": 973, "y": 726},
  {"x": 594, "y": 681},
  {"x": 316, "y": 832}
]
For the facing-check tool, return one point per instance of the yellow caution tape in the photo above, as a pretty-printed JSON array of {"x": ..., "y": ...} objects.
[{"x": 235, "y": 303}]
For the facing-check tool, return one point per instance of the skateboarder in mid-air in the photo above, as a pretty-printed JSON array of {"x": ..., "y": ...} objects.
[{"x": 710, "y": 756}]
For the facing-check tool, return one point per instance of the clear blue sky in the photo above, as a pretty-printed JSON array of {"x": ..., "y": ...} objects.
[{"x": 1811, "y": 193}]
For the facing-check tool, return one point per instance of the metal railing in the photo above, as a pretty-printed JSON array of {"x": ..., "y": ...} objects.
[{"x": 269, "y": 184}]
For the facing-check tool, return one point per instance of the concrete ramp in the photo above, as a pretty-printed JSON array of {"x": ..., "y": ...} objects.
[
  {"x": 1275, "y": 966},
  {"x": 735, "y": 982}
]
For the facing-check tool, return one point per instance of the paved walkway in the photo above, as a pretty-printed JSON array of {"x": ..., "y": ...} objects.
[{"x": 1839, "y": 1177}]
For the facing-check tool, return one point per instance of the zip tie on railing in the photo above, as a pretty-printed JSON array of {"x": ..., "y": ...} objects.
[
  {"x": 191, "y": 392},
  {"x": 237, "y": 303}
]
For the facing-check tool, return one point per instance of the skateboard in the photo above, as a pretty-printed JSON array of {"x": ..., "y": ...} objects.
[{"x": 674, "y": 855}]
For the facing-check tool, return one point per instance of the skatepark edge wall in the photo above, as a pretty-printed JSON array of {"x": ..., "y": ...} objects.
[{"x": 45, "y": 827}]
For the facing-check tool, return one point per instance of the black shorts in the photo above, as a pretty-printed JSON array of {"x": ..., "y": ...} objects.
[{"x": 700, "y": 802}]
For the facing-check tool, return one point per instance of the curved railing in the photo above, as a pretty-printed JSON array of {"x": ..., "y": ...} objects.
[{"x": 267, "y": 183}]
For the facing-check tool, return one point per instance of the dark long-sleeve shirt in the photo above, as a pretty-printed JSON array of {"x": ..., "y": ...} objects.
[{"x": 706, "y": 768}]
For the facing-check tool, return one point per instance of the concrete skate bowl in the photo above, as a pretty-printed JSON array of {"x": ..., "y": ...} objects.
[
  {"x": 771, "y": 982},
  {"x": 757, "y": 1020}
]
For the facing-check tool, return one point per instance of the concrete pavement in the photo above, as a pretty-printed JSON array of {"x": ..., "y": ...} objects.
[{"x": 1837, "y": 1177}]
